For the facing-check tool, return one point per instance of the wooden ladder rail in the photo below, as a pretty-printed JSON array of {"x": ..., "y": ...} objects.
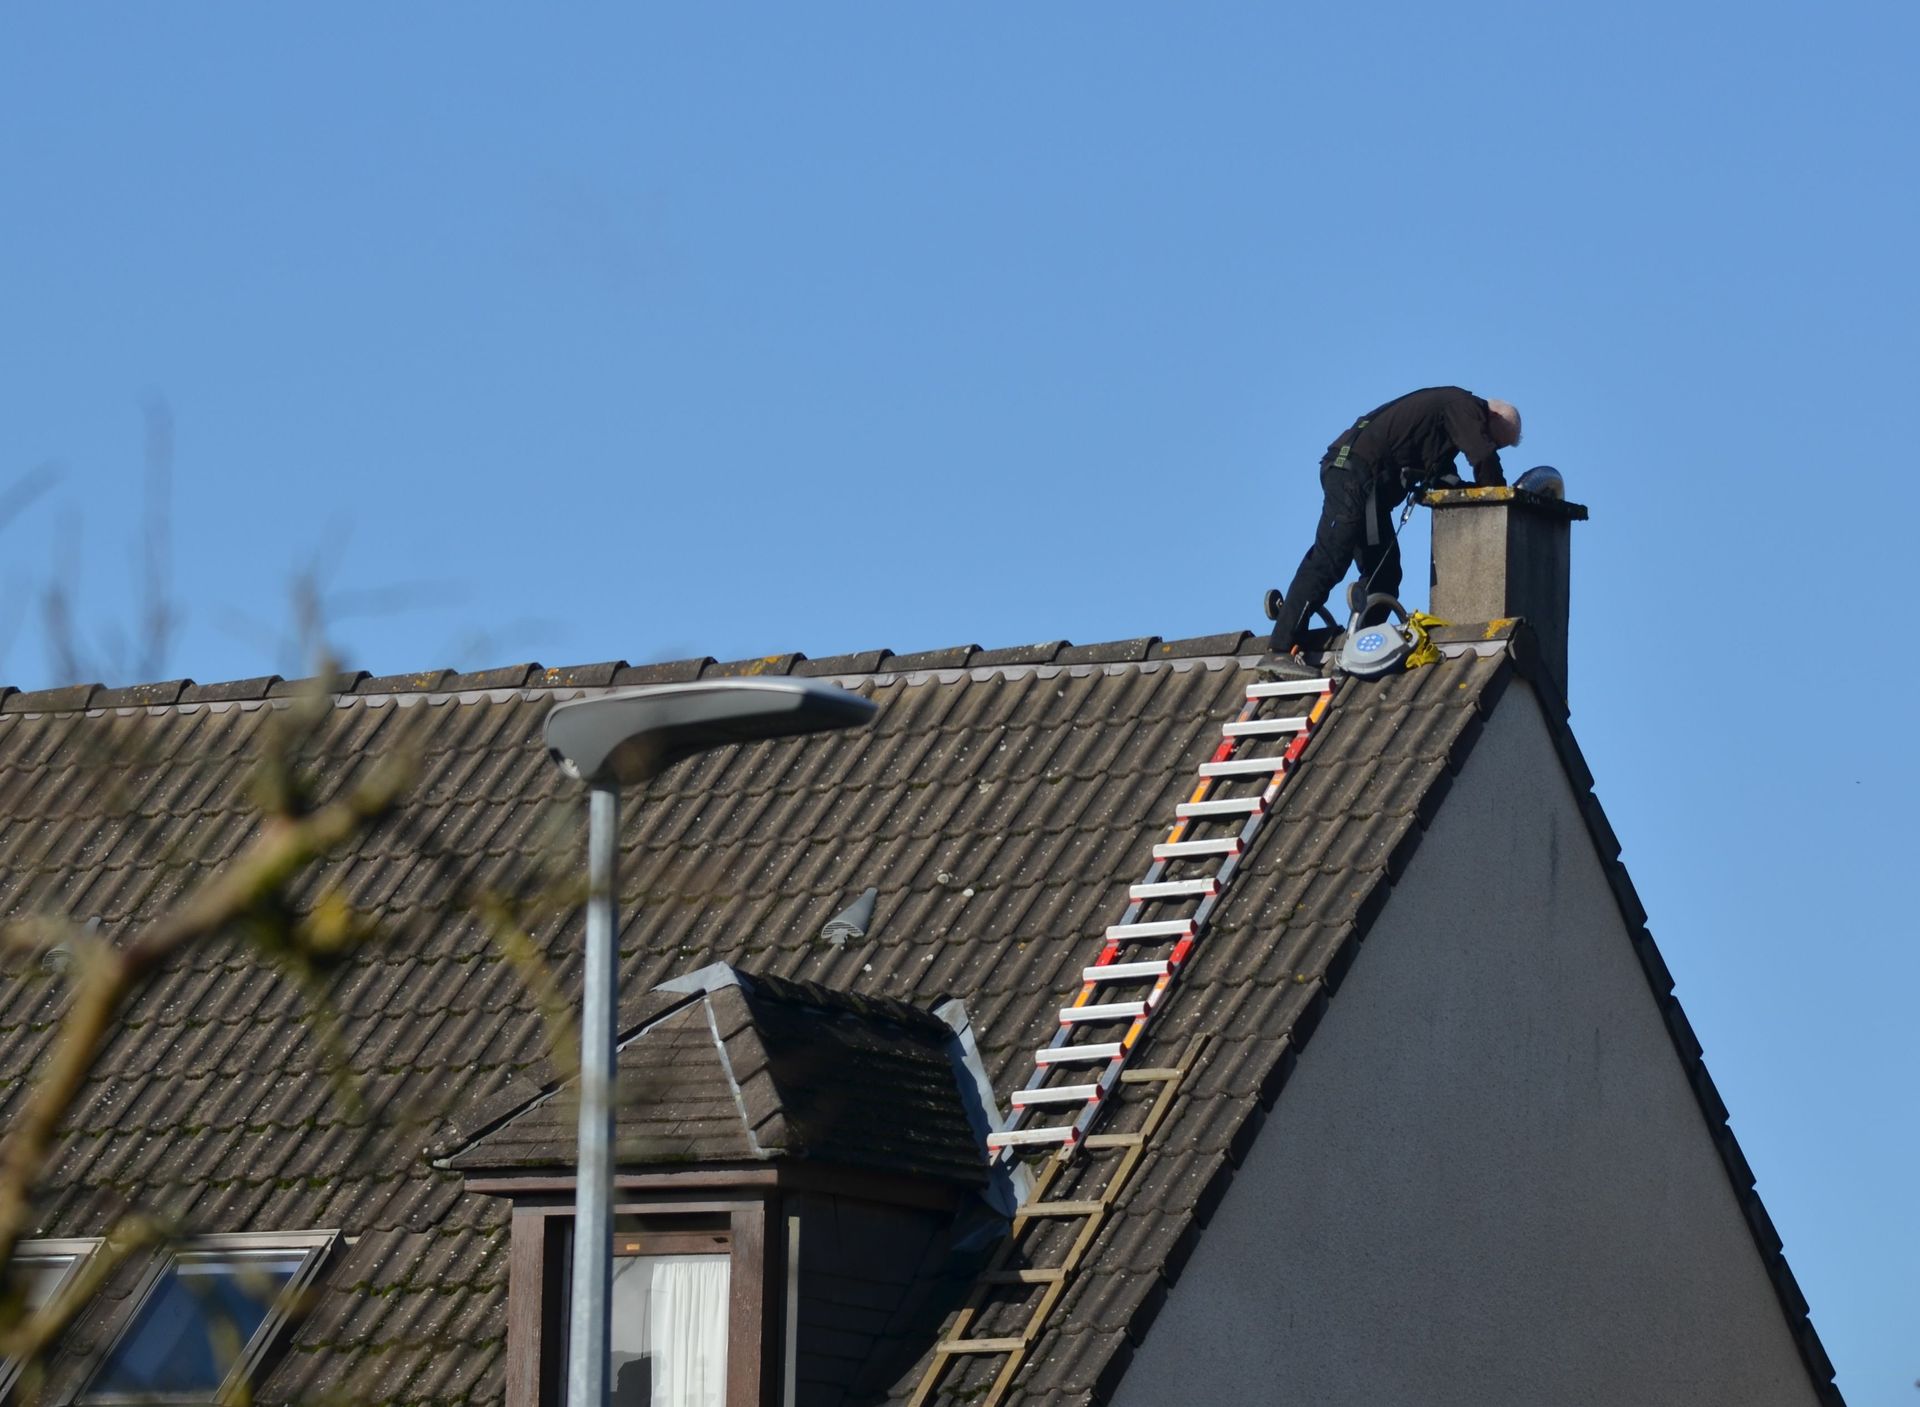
[{"x": 1093, "y": 1214}]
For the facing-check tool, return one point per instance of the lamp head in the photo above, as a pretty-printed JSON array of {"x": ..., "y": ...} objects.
[{"x": 623, "y": 739}]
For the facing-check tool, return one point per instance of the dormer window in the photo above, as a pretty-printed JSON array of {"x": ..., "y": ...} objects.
[
  {"x": 206, "y": 1316},
  {"x": 689, "y": 1284},
  {"x": 672, "y": 1288},
  {"x": 670, "y": 1314}
]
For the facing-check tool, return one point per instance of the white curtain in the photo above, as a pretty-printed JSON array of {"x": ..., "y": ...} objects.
[{"x": 670, "y": 1331}]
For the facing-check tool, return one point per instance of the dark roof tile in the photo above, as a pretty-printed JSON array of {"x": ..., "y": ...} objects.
[
  {"x": 231, "y": 691},
  {"x": 1110, "y": 651},
  {"x": 578, "y": 676},
  {"x": 71, "y": 698},
  {"x": 863, "y": 662},
  {"x": 1235, "y": 642},
  {"x": 142, "y": 695},
  {"x": 510, "y": 676},
  {"x": 1042, "y": 653},
  {"x": 665, "y": 672},
  {"x": 953, "y": 657},
  {"x": 422, "y": 682},
  {"x": 345, "y": 682},
  {"x": 753, "y": 668}
]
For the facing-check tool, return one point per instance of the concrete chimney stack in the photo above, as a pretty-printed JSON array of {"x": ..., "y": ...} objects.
[{"x": 1500, "y": 552}]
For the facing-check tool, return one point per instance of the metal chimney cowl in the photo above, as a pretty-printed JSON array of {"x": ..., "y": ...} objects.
[{"x": 1503, "y": 552}]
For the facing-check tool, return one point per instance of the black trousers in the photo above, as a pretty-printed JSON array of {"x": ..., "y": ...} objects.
[{"x": 1351, "y": 498}]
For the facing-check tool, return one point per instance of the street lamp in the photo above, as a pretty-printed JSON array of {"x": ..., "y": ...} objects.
[{"x": 608, "y": 743}]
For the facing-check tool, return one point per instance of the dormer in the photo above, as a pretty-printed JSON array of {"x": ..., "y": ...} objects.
[{"x": 797, "y": 1170}]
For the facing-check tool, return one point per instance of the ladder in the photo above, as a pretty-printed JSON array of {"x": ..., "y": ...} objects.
[
  {"x": 1142, "y": 957},
  {"x": 1076, "y": 1193},
  {"x": 1040, "y": 1253}
]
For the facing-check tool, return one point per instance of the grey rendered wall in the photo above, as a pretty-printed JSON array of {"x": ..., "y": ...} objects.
[{"x": 1487, "y": 1181}]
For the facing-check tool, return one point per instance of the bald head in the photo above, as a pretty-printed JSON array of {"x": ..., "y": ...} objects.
[{"x": 1505, "y": 422}]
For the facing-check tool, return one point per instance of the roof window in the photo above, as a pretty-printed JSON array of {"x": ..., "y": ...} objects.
[
  {"x": 206, "y": 1316},
  {"x": 43, "y": 1269}
]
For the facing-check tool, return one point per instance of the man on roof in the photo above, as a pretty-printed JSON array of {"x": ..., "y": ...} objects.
[{"x": 1370, "y": 470}]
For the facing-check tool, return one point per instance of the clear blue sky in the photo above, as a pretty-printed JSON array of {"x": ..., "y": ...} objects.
[{"x": 634, "y": 333}]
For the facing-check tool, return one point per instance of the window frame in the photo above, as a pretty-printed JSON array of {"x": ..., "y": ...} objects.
[
  {"x": 78, "y": 1250},
  {"x": 317, "y": 1248},
  {"x": 539, "y": 1258}
]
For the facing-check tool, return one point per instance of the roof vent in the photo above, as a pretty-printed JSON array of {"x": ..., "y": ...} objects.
[{"x": 852, "y": 921}]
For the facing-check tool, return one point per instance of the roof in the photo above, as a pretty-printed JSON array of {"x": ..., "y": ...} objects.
[
  {"x": 1000, "y": 803},
  {"x": 738, "y": 1067}
]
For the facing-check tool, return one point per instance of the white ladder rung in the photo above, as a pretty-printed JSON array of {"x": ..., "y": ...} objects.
[
  {"x": 1160, "y": 928},
  {"x": 1174, "y": 889},
  {"x": 1289, "y": 688},
  {"x": 1120, "y": 971},
  {"x": 1109, "y": 1011},
  {"x": 1264, "y": 727},
  {"x": 1059, "y": 1094},
  {"x": 1076, "y": 1054},
  {"x": 1239, "y": 806},
  {"x": 1244, "y": 767},
  {"x": 1016, "y": 1138},
  {"x": 1179, "y": 849}
]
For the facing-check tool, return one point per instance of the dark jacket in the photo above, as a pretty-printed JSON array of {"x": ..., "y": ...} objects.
[{"x": 1415, "y": 438}]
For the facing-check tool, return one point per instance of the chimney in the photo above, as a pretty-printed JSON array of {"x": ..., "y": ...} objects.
[{"x": 1500, "y": 552}]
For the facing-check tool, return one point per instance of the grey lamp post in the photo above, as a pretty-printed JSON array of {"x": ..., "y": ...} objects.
[{"x": 609, "y": 743}]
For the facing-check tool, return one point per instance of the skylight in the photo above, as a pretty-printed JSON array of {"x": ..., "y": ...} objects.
[
  {"x": 206, "y": 1317},
  {"x": 43, "y": 1269}
]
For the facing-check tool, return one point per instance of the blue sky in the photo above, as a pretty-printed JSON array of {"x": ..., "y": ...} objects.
[{"x": 636, "y": 332}]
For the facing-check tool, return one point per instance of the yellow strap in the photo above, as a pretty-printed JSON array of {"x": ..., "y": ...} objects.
[{"x": 1424, "y": 650}]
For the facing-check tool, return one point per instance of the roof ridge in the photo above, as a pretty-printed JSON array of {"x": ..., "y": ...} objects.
[
  {"x": 269, "y": 688},
  {"x": 80, "y": 698}
]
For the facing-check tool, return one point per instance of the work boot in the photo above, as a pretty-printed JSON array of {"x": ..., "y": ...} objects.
[{"x": 1288, "y": 666}]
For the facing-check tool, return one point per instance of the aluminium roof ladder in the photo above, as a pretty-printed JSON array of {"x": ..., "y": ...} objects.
[
  {"x": 1121, "y": 995},
  {"x": 1166, "y": 917}
]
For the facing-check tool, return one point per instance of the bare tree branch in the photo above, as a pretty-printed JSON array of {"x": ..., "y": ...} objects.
[
  {"x": 158, "y": 616},
  {"x": 21, "y": 494}
]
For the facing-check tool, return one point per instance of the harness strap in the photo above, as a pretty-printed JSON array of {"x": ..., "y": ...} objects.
[{"x": 1340, "y": 459}]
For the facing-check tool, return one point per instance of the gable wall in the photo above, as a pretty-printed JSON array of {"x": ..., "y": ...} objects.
[{"x": 1488, "y": 1181}]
